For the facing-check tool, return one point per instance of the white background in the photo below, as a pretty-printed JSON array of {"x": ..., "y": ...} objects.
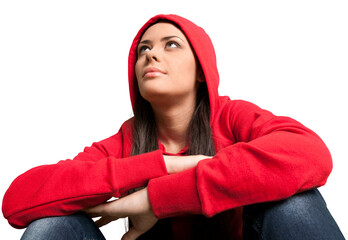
[{"x": 63, "y": 73}]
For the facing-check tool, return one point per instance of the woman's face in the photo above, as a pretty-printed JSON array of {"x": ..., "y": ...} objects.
[{"x": 166, "y": 65}]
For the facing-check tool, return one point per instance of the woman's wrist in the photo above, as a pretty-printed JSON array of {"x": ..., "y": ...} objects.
[
  {"x": 177, "y": 164},
  {"x": 168, "y": 161}
]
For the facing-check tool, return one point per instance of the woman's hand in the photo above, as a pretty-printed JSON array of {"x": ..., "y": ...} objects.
[
  {"x": 136, "y": 206},
  {"x": 141, "y": 224},
  {"x": 177, "y": 164}
]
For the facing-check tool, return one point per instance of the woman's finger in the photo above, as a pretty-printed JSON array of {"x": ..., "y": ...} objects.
[
  {"x": 132, "y": 234},
  {"x": 104, "y": 220},
  {"x": 133, "y": 204},
  {"x": 95, "y": 211}
]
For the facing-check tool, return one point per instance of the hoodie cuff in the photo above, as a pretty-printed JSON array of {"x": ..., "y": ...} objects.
[
  {"x": 136, "y": 171},
  {"x": 175, "y": 194}
]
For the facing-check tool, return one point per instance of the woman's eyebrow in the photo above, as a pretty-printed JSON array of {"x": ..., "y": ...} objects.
[
  {"x": 169, "y": 37},
  {"x": 145, "y": 42},
  {"x": 162, "y": 39}
]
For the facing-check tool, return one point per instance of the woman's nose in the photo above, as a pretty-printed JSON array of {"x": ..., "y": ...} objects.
[{"x": 152, "y": 55}]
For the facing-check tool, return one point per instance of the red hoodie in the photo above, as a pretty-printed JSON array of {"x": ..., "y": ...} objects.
[{"x": 259, "y": 157}]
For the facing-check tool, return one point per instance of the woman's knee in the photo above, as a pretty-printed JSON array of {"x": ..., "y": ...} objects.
[
  {"x": 76, "y": 226},
  {"x": 304, "y": 208},
  {"x": 300, "y": 216},
  {"x": 304, "y": 214}
]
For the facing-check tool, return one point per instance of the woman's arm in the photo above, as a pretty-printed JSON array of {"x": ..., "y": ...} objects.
[
  {"x": 136, "y": 206},
  {"x": 175, "y": 164},
  {"x": 91, "y": 178},
  {"x": 275, "y": 157}
]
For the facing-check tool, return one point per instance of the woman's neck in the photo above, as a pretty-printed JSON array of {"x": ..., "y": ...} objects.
[{"x": 172, "y": 125}]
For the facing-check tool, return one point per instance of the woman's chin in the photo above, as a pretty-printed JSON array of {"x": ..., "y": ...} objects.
[{"x": 154, "y": 96}]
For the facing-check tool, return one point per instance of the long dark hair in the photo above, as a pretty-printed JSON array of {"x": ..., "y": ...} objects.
[{"x": 200, "y": 134}]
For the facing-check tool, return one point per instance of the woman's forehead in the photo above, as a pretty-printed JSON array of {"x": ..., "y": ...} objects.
[{"x": 162, "y": 29}]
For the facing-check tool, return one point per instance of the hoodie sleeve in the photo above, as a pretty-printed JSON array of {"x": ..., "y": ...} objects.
[
  {"x": 272, "y": 159},
  {"x": 92, "y": 177}
]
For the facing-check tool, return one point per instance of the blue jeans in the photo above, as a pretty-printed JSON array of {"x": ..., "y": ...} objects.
[
  {"x": 73, "y": 227},
  {"x": 303, "y": 216}
]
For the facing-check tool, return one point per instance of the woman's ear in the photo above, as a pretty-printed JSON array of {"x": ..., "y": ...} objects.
[{"x": 200, "y": 75}]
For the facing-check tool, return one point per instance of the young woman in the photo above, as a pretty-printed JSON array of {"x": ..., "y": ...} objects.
[{"x": 190, "y": 164}]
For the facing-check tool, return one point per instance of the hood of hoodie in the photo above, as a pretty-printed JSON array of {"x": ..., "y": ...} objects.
[{"x": 202, "y": 46}]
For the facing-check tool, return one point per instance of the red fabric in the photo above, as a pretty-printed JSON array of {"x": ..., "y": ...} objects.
[
  {"x": 260, "y": 157},
  {"x": 100, "y": 172}
]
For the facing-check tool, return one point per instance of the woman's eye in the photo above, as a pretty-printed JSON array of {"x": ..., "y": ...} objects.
[
  {"x": 172, "y": 44},
  {"x": 144, "y": 49}
]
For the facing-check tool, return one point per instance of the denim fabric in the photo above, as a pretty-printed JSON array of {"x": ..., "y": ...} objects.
[
  {"x": 75, "y": 227},
  {"x": 303, "y": 216}
]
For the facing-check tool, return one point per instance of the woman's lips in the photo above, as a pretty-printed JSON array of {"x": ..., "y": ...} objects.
[{"x": 153, "y": 72}]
